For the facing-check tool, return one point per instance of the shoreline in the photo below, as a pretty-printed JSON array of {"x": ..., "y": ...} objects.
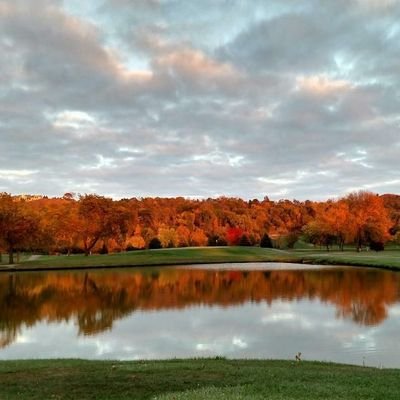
[
  {"x": 388, "y": 260},
  {"x": 194, "y": 264}
]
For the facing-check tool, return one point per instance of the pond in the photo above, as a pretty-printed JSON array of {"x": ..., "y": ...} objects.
[{"x": 257, "y": 310}]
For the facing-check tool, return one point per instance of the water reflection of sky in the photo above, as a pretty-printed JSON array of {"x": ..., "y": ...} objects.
[{"x": 250, "y": 330}]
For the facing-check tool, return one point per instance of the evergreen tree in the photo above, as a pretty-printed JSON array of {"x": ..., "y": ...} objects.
[
  {"x": 244, "y": 241},
  {"x": 266, "y": 241}
]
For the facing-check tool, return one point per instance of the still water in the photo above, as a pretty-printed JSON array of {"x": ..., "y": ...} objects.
[{"x": 349, "y": 315}]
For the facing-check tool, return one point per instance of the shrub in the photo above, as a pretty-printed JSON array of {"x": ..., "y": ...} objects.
[
  {"x": 244, "y": 241},
  {"x": 233, "y": 235},
  {"x": 377, "y": 246},
  {"x": 266, "y": 241},
  {"x": 155, "y": 243},
  {"x": 216, "y": 240},
  {"x": 291, "y": 239},
  {"x": 132, "y": 248},
  {"x": 222, "y": 242}
]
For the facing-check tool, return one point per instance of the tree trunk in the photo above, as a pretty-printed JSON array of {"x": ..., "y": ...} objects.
[
  {"x": 11, "y": 256},
  {"x": 327, "y": 245},
  {"x": 86, "y": 248},
  {"x": 359, "y": 241},
  {"x": 89, "y": 246}
]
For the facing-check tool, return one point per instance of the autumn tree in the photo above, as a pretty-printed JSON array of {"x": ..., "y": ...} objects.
[
  {"x": 233, "y": 235},
  {"x": 336, "y": 216},
  {"x": 318, "y": 232},
  {"x": 368, "y": 218},
  {"x": 168, "y": 237},
  {"x": 330, "y": 224},
  {"x": 136, "y": 242},
  {"x": 87, "y": 223},
  {"x": 98, "y": 219},
  {"x": 183, "y": 235},
  {"x": 17, "y": 226},
  {"x": 198, "y": 238},
  {"x": 60, "y": 220},
  {"x": 392, "y": 204}
]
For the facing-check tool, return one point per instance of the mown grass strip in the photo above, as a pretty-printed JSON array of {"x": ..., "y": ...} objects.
[{"x": 387, "y": 259}]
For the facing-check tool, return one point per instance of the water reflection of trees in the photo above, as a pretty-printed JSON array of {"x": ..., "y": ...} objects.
[{"x": 96, "y": 299}]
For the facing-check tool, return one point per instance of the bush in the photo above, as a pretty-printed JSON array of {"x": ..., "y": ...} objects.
[
  {"x": 212, "y": 240},
  {"x": 266, "y": 241},
  {"x": 377, "y": 246},
  {"x": 215, "y": 240},
  {"x": 291, "y": 239},
  {"x": 155, "y": 243},
  {"x": 222, "y": 242},
  {"x": 132, "y": 248}
]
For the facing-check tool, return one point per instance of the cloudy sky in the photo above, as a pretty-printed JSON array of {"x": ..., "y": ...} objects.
[{"x": 284, "y": 98}]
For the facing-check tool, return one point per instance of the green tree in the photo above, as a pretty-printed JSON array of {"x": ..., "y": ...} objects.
[{"x": 244, "y": 241}]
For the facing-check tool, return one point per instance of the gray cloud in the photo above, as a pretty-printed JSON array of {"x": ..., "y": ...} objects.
[{"x": 285, "y": 99}]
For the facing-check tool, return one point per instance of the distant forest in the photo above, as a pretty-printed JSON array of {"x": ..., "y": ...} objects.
[{"x": 95, "y": 224}]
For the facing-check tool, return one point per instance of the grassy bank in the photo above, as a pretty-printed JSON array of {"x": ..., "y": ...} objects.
[
  {"x": 386, "y": 259},
  {"x": 194, "y": 379},
  {"x": 182, "y": 256},
  {"x": 179, "y": 256}
]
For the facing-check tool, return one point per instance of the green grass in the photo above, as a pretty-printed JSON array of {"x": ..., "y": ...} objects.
[
  {"x": 184, "y": 256},
  {"x": 387, "y": 259},
  {"x": 179, "y": 256},
  {"x": 194, "y": 379}
]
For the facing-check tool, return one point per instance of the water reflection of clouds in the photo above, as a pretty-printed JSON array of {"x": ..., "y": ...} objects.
[
  {"x": 394, "y": 311},
  {"x": 223, "y": 345},
  {"x": 245, "y": 331}
]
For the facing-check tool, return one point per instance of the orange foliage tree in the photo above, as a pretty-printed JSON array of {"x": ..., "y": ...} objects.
[
  {"x": 92, "y": 223},
  {"x": 99, "y": 219},
  {"x": 368, "y": 219},
  {"x": 17, "y": 226}
]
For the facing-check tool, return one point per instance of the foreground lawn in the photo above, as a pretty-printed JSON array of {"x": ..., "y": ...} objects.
[
  {"x": 194, "y": 379},
  {"x": 204, "y": 255}
]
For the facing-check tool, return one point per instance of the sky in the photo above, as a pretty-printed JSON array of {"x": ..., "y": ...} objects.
[{"x": 296, "y": 99}]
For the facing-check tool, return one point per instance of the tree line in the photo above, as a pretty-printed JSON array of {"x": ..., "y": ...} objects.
[{"x": 92, "y": 223}]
